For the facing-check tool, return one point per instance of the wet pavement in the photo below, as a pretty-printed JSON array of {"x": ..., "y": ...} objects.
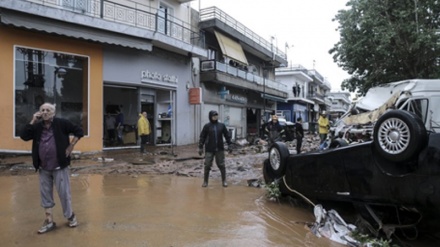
[{"x": 153, "y": 210}]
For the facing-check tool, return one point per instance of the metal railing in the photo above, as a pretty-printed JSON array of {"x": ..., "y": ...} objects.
[
  {"x": 212, "y": 65},
  {"x": 215, "y": 13},
  {"x": 315, "y": 95},
  {"x": 129, "y": 13}
]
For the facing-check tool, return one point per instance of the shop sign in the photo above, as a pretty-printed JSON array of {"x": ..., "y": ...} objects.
[
  {"x": 238, "y": 99},
  {"x": 145, "y": 74},
  {"x": 195, "y": 96}
]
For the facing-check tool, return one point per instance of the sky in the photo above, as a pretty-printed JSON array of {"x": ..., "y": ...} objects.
[{"x": 305, "y": 25}]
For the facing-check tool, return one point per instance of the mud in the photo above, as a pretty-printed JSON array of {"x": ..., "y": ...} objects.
[{"x": 243, "y": 163}]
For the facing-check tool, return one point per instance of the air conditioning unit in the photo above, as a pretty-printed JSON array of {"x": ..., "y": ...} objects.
[{"x": 208, "y": 65}]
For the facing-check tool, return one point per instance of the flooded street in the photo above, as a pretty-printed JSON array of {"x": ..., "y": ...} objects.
[{"x": 158, "y": 210}]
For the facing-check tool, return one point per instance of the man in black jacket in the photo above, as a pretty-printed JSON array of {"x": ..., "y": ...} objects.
[
  {"x": 299, "y": 134},
  {"x": 212, "y": 138},
  {"x": 51, "y": 149}
]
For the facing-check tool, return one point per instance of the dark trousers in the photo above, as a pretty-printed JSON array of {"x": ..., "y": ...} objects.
[
  {"x": 299, "y": 141},
  {"x": 144, "y": 140}
]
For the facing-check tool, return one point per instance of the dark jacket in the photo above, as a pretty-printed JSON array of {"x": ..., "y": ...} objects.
[
  {"x": 62, "y": 128},
  {"x": 299, "y": 130},
  {"x": 212, "y": 136}
]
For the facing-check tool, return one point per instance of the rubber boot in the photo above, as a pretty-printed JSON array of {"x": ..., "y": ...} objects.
[
  {"x": 223, "y": 173},
  {"x": 205, "y": 178}
]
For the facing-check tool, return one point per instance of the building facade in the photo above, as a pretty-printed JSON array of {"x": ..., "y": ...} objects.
[
  {"x": 237, "y": 78},
  {"x": 94, "y": 57},
  {"x": 306, "y": 94},
  {"x": 340, "y": 104}
]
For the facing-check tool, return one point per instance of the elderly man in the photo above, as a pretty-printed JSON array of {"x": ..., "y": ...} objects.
[{"x": 51, "y": 149}]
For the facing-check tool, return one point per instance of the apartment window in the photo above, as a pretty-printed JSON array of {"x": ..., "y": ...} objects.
[{"x": 54, "y": 77}]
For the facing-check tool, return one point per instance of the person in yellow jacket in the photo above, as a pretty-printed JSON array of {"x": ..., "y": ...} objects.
[
  {"x": 324, "y": 126},
  {"x": 144, "y": 130}
]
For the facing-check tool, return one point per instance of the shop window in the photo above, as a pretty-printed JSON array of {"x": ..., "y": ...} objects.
[{"x": 54, "y": 77}]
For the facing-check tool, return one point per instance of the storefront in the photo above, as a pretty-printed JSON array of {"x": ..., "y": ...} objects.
[
  {"x": 40, "y": 68},
  {"x": 156, "y": 82},
  {"x": 240, "y": 110}
]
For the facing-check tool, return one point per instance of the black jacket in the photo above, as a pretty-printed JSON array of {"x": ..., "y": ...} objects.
[
  {"x": 62, "y": 128},
  {"x": 212, "y": 136}
]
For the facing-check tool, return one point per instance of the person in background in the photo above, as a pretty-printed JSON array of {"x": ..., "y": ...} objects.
[
  {"x": 324, "y": 126},
  {"x": 119, "y": 125},
  {"x": 212, "y": 138},
  {"x": 51, "y": 150},
  {"x": 274, "y": 129},
  {"x": 110, "y": 124},
  {"x": 299, "y": 134},
  {"x": 144, "y": 130}
]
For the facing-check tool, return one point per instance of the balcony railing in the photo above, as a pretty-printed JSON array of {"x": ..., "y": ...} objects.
[
  {"x": 315, "y": 95},
  {"x": 215, "y": 13},
  {"x": 211, "y": 65},
  {"x": 129, "y": 13}
]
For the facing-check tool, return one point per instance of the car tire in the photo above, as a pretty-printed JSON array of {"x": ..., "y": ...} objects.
[
  {"x": 268, "y": 174},
  {"x": 278, "y": 154},
  {"x": 337, "y": 143},
  {"x": 399, "y": 135}
]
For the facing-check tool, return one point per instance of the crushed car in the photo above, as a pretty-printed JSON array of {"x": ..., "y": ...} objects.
[{"x": 384, "y": 161}]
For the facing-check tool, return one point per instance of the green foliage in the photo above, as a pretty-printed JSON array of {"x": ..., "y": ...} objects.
[
  {"x": 273, "y": 190},
  {"x": 383, "y": 41},
  {"x": 366, "y": 240}
]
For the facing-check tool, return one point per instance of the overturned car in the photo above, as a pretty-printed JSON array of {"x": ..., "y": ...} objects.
[{"x": 392, "y": 176}]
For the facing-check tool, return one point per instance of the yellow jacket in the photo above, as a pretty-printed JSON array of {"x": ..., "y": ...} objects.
[
  {"x": 323, "y": 125},
  {"x": 143, "y": 126}
]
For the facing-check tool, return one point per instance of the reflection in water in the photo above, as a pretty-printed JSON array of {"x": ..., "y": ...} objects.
[{"x": 153, "y": 211}]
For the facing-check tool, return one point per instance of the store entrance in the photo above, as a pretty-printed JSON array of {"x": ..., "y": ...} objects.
[{"x": 149, "y": 108}]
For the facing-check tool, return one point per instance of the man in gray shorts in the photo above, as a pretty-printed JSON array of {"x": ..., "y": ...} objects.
[{"x": 51, "y": 149}]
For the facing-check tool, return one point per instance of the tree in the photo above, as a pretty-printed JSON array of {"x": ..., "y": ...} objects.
[{"x": 387, "y": 40}]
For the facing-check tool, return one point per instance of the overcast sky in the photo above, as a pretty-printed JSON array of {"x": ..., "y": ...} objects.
[{"x": 306, "y": 26}]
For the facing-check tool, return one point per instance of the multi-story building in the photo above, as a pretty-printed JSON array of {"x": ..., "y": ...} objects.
[
  {"x": 340, "y": 103},
  {"x": 92, "y": 57},
  {"x": 237, "y": 78},
  {"x": 95, "y": 57},
  {"x": 306, "y": 94}
]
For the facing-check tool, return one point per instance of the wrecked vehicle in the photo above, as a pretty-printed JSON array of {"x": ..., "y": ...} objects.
[
  {"x": 391, "y": 177},
  {"x": 418, "y": 96}
]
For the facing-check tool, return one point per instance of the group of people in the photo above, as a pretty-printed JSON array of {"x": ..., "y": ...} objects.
[{"x": 53, "y": 140}]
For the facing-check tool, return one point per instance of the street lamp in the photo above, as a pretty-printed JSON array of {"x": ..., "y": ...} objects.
[{"x": 60, "y": 72}]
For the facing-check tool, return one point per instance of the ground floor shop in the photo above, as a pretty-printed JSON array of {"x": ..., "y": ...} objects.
[
  {"x": 89, "y": 82},
  {"x": 240, "y": 110}
]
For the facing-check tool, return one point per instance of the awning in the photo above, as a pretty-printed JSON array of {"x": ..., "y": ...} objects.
[
  {"x": 231, "y": 48},
  {"x": 71, "y": 30},
  {"x": 273, "y": 98}
]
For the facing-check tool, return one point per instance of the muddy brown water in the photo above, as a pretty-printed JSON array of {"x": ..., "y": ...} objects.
[{"x": 153, "y": 210}]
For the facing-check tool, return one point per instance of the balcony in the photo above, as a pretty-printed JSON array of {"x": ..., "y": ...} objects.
[
  {"x": 212, "y": 70},
  {"x": 213, "y": 17},
  {"x": 317, "y": 97},
  {"x": 129, "y": 19}
]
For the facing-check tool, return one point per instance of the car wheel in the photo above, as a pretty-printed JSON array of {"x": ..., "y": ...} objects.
[
  {"x": 399, "y": 135},
  {"x": 338, "y": 142},
  {"x": 278, "y": 154},
  {"x": 268, "y": 174}
]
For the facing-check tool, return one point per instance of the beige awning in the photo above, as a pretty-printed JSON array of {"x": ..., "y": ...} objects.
[{"x": 231, "y": 48}]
